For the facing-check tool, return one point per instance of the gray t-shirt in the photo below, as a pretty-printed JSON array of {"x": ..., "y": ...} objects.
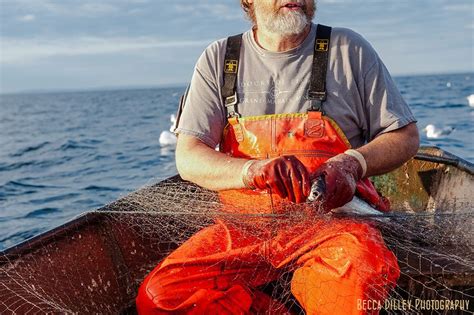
[{"x": 362, "y": 98}]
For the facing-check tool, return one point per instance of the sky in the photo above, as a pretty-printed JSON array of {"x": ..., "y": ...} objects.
[{"x": 91, "y": 44}]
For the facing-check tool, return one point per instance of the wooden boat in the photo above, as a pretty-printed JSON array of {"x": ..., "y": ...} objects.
[{"x": 95, "y": 263}]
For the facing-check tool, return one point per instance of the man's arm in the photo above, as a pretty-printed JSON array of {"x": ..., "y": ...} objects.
[
  {"x": 198, "y": 163},
  {"x": 284, "y": 175},
  {"x": 390, "y": 150},
  {"x": 383, "y": 154}
]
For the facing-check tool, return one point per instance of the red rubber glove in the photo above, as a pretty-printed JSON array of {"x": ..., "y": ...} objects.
[
  {"x": 285, "y": 176},
  {"x": 340, "y": 175}
]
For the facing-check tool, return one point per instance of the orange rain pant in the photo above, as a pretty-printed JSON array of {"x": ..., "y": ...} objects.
[{"x": 336, "y": 264}]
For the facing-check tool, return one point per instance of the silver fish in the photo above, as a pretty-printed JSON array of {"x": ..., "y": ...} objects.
[
  {"x": 359, "y": 207},
  {"x": 356, "y": 206}
]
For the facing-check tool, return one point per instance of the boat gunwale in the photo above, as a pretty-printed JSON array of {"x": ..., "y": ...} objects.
[
  {"x": 34, "y": 243},
  {"x": 425, "y": 153}
]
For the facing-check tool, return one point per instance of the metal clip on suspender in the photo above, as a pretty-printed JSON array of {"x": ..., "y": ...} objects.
[
  {"x": 317, "y": 85},
  {"x": 230, "y": 103},
  {"x": 231, "y": 67}
]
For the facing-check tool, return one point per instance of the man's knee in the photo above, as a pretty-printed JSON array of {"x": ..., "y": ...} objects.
[
  {"x": 351, "y": 263},
  {"x": 371, "y": 256},
  {"x": 179, "y": 291}
]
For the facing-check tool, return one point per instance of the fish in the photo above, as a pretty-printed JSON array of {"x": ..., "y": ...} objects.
[{"x": 356, "y": 206}]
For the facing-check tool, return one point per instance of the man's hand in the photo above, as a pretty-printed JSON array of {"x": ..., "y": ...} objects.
[
  {"x": 340, "y": 175},
  {"x": 285, "y": 176}
]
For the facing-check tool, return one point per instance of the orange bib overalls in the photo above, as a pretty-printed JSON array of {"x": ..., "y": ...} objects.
[{"x": 335, "y": 264}]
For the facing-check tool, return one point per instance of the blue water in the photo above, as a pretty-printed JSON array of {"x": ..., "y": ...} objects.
[{"x": 64, "y": 153}]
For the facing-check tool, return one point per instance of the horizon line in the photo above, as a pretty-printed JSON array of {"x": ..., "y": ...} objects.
[{"x": 171, "y": 85}]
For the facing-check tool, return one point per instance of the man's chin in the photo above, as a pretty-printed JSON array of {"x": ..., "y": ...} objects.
[
  {"x": 288, "y": 32},
  {"x": 289, "y": 29}
]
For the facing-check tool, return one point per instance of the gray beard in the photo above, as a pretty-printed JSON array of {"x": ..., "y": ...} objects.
[{"x": 283, "y": 24}]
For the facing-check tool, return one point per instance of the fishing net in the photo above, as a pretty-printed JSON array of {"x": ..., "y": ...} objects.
[{"x": 96, "y": 263}]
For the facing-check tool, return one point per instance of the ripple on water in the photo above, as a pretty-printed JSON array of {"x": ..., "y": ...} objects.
[
  {"x": 101, "y": 188},
  {"x": 60, "y": 197},
  {"x": 28, "y": 185},
  {"x": 35, "y": 165},
  {"x": 41, "y": 212},
  {"x": 29, "y": 149},
  {"x": 75, "y": 145}
]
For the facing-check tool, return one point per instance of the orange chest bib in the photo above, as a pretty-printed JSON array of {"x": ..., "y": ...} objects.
[{"x": 311, "y": 137}]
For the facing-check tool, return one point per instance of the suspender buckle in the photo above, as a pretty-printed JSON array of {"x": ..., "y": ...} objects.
[
  {"x": 230, "y": 103},
  {"x": 321, "y": 96},
  {"x": 316, "y": 100},
  {"x": 316, "y": 106}
]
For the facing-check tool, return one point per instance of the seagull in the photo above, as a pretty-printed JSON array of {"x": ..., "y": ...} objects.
[
  {"x": 470, "y": 99},
  {"x": 434, "y": 133},
  {"x": 168, "y": 138}
]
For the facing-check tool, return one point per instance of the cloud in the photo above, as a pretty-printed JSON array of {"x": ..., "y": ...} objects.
[
  {"x": 98, "y": 8},
  {"x": 27, "y": 18},
  {"x": 218, "y": 10},
  {"x": 20, "y": 51},
  {"x": 459, "y": 7},
  {"x": 69, "y": 8}
]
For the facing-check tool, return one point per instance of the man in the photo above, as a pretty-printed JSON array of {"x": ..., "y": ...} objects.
[{"x": 291, "y": 122}]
